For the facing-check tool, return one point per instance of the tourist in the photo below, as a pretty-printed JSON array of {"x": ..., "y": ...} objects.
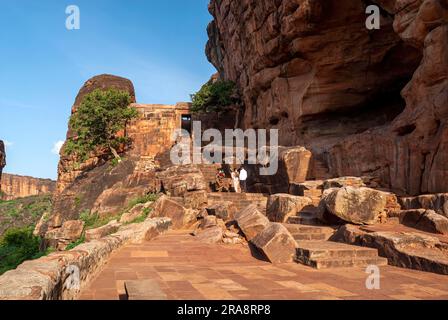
[
  {"x": 243, "y": 179},
  {"x": 236, "y": 181}
]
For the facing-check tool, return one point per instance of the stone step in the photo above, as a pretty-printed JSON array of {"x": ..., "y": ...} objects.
[
  {"x": 310, "y": 220},
  {"x": 330, "y": 249},
  {"x": 328, "y": 254},
  {"x": 309, "y": 236},
  {"x": 297, "y": 228},
  {"x": 344, "y": 263}
]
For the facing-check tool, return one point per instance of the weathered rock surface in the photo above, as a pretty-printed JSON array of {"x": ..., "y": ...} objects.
[
  {"x": 224, "y": 210},
  {"x": 342, "y": 182},
  {"x": 14, "y": 186},
  {"x": 282, "y": 206},
  {"x": 195, "y": 199},
  {"x": 251, "y": 221},
  {"x": 293, "y": 168},
  {"x": 276, "y": 243},
  {"x": 48, "y": 278},
  {"x": 136, "y": 212},
  {"x": 402, "y": 249},
  {"x": 69, "y": 169},
  {"x": 70, "y": 231},
  {"x": 178, "y": 180},
  {"x": 180, "y": 216},
  {"x": 212, "y": 234},
  {"x": 436, "y": 202},
  {"x": 356, "y": 205},
  {"x": 105, "y": 189},
  {"x": 425, "y": 220},
  {"x": 338, "y": 95},
  {"x": 101, "y": 232}
]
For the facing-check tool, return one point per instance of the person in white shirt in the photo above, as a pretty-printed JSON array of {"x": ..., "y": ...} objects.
[
  {"x": 236, "y": 181},
  {"x": 243, "y": 179}
]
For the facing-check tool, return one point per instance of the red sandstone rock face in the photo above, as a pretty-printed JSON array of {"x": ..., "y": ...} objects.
[
  {"x": 2, "y": 160},
  {"x": 68, "y": 169},
  {"x": 14, "y": 186},
  {"x": 299, "y": 61}
]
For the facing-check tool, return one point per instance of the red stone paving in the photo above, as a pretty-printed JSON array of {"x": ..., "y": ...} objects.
[{"x": 186, "y": 269}]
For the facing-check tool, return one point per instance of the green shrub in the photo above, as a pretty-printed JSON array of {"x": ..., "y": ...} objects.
[
  {"x": 76, "y": 243},
  {"x": 101, "y": 115},
  {"x": 143, "y": 217},
  {"x": 17, "y": 246},
  {"x": 94, "y": 220},
  {"x": 214, "y": 97}
]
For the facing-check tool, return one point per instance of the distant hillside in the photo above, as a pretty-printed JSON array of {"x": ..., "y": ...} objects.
[{"x": 23, "y": 212}]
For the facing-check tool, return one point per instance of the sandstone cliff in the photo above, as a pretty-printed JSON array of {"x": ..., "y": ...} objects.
[
  {"x": 2, "y": 160},
  {"x": 14, "y": 186},
  {"x": 365, "y": 102},
  {"x": 68, "y": 168}
]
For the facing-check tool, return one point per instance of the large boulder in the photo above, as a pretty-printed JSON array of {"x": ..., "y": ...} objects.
[
  {"x": 61, "y": 237},
  {"x": 437, "y": 202},
  {"x": 356, "y": 205},
  {"x": 251, "y": 221},
  {"x": 210, "y": 235},
  {"x": 180, "y": 216},
  {"x": 425, "y": 220},
  {"x": 195, "y": 199},
  {"x": 178, "y": 180},
  {"x": 101, "y": 232},
  {"x": 225, "y": 210},
  {"x": 276, "y": 243},
  {"x": 282, "y": 206}
]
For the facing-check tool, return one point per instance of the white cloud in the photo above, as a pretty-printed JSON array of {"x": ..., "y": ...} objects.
[
  {"x": 57, "y": 147},
  {"x": 8, "y": 143}
]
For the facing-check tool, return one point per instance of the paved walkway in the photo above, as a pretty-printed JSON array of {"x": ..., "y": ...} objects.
[{"x": 187, "y": 269}]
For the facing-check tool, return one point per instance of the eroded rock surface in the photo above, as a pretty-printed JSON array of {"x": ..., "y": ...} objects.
[
  {"x": 15, "y": 186},
  {"x": 364, "y": 102},
  {"x": 276, "y": 243},
  {"x": 282, "y": 206},
  {"x": 2, "y": 160}
]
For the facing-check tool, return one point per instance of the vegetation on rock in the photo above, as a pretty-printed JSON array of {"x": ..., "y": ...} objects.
[
  {"x": 17, "y": 246},
  {"x": 23, "y": 212},
  {"x": 214, "y": 96},
  {"x": 98, "y": 121}
]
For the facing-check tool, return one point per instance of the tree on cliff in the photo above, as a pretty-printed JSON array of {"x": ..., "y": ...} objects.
[
  {"x": 98, "y": 121},
  {"x": 214, "y": 96}
]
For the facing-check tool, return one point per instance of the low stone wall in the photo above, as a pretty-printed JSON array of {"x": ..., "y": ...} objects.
[{"x": 62, "y": 275}]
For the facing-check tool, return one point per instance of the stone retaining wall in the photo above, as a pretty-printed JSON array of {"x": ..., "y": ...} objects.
[{"x": 62, "y": 275}]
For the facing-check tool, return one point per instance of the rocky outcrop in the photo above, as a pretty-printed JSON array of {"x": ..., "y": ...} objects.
[
  {"x": 180, "y": 216},
  {"x": 251, "y": 221},
  {"x": 425, "y": 220},
  {"x": 69, "y": 168},
  {"x": 282, "y": 206},
  {"x": 402, "y": 249},
  {"x": 276, "y": 243},
  {"x": 313, "y": 70},
  {"x": 70, "y": 231},
  {"x": 62, "y": 275},
  {"x": 14, "y": 186},
  {"x": 436, "y": 202}
]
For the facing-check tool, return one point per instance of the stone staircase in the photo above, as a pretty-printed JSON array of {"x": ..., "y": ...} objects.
[
  {"x": 328, "y": 254},
  {"x": 315, "y": 250},
  {"x": 241, "y": 200}
]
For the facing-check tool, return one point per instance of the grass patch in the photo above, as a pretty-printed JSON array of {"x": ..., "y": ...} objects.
[
  {"x": 152, "y": 197},
  {"x": 76, "y": 243},
  {"x": 94, "y": 220},
  {"x": 143, "y": 217},
  {"x": 24, "y": 212}
]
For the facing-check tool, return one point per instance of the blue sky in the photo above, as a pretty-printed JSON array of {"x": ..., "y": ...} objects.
[{"x": 159, "y": 45}]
